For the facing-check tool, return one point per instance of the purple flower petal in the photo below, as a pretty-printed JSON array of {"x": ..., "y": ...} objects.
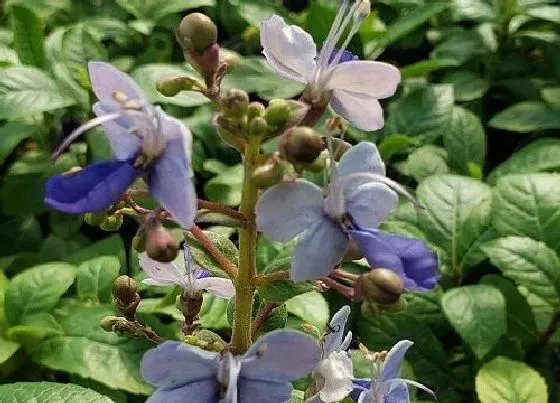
[
  {"x": 201, "y": 273},
  {"x": 345, "y": 57},
  {"x": 333, "y": 340},
  {"x": 106, "y": 80},
  {"x": 360, "y": 386},
  {"x": 92, "y": 189},
  {"x": 206, "y": 391},
  {"x": 392, "y": 365},
  {"x": 395, "y": 392},
  {"x": 123, "y": 142},
  {"x": 262, "y": 391}
]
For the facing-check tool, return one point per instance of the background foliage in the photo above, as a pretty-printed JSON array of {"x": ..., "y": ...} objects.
[{"x": 474, "y": 129}]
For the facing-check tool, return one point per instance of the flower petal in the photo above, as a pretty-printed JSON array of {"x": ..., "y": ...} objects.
[
  {"x": 170, "y": 182},
  {"x": 361, "y": 158},
  {"x": 175, "y": 364},
  {"x": 392, "y": 365},
  {"x": 206, "y": 391},
  {"x": 360, "y": 385},
  {"x": 92, "y": 189},
  {"x": 370, "y": 204},
  {"x": 174, "y": 129},
  {"x": 106, "y": 80},
  {"x": 395, "y": 392},
  {"x": 261, "y": 391},
  {"x": 336, "y": 371},
  {"x": 160, "y": 272},
  {"x": 362, "y": 111},
  {"x": 123, "y": 142},
  {"x": 376, "y": 80},
  {"x": 220, "y": 287},
  {"x": 281, "y": 356},
  {"x": 286, "y": 209},
  {"x": 288, "y": 49},
  {"x": 335, "y": 334},
  {"x": 320, "y": 248},
  {"x": 232, "y": 367}
]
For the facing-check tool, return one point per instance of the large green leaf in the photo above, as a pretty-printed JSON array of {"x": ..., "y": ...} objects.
[
  {"x": 154, "y": 10},
  {"x": 28, "y": 36},
  {"x": 503, "y": 380},
  {"x": 527, "y": 205},
  {"x": 465, "y": 141},
  {"x": 213, "y": 313},
  {"x": 282, "y": 290},
  {"x": 426, "y": 355},
  {"x": 478, "y": 314},
  {"x": 529, "y": 263},
  {"x": 456, "y": 217},
  {"x": 110, "y": 246},
  {"x": 310, "y": 307},
  {"x": 540, "y": 155},
  {"x": 11, "y": 134},
  {"x": 225, "y": 188},
  {"x": 425, "y": 161},
  {"x": 467, "y": 86},
  {"x": 27, "y": 90},
  {"x": 37, "y": 290},
  {"x": 49, "y": 392},
  {"x": 7, "y": 349},
  {"x": 423, "y": 112},
  {"x": 95, "y": 278},
  {"x": 526, "y": 117},
  {"x": 90, "y": 352},
  {"x": 205, "y": 260}
]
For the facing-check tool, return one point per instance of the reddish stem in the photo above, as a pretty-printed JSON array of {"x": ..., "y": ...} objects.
[{"x": 207, "y": 244}]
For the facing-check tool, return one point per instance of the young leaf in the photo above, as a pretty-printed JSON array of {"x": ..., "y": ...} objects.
[
  {"x": 49, "y": 392},
  {"x": 95, "y": 278},
  {"x": 282, "y": 290},
  {"x": 28, "y": 36},
  {"x": 526, "y": 116}
]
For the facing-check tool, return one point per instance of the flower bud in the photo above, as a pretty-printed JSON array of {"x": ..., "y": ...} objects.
[
  {"x": 301, "y": 145},
  {"x": 196, "y": 32},
  {"x": 160, "y": 244},
  {"x": 379, "y": 286},
  {"x": 112, "y": 223},
  {"x": 270, "y": 173},
  {"x": 125, "y": 289},
  {"x": 255, "y": 109},
  {"x": 258, "y": 127},
  {"x": 228, "y": 61},
  {"x": 190, "y": 306},
  {"x": 95, "y": 219},
  {"x": 108, "y": 322},
  {"x": 139, "y": 241},
  {"x": 235, "y": 103},
  {"x": 169, "y": 87},
  {"x": 277, "y": 112}
]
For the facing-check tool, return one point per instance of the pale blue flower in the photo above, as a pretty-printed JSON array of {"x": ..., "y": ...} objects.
[
  {"x": 263, "y": 374},
  {"x": 385, "y": 385},
  {"x": 358, "y": 190},
  {"x": 353, "y": 87},
  {"x": 145, "y": 141},
  {"x": 186, "y": 274}
]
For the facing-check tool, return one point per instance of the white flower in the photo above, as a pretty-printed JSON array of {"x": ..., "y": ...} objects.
[
  {"x": 193, "y": 279},
  {"x": 351, "y": 86}
]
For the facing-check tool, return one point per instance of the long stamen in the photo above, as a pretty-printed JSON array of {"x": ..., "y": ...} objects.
[
  {"x": 332, "y": 44},
  {"x": 355, "y": 27},
  {"x": 324, "y": 56},
  {"x": 81, "y": 130}
]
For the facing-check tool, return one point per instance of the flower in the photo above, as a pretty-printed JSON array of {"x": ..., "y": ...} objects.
[
  {"x": 385, "y": 386},
  {"x": 352, "y": 87},
  {"x": 263, "y": 374},
  {"x": 333, "y": 375},
  {"x": 193, "y": 279},
  {"x": 410, "y": 258},
  {"x": 144, "y": 139},
  {"x": 358, "y": 190}
]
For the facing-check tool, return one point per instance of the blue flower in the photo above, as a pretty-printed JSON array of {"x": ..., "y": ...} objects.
[
  {"x": 263, "y": 374},
  {"x": 145, "y": 141},
  {"x": 385, "y": 385},
  {"x": 358, "y": 189},
  {"x": 410, "y": 258}
]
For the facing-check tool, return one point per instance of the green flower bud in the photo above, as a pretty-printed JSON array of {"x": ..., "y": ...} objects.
[
  {"x": 196, "y": 32},
  {"x": 235, "y": 103},
  {"x": 277, "y": 112},
  {"x": 112, "y": 223},
  {"x": 160, "y": 244},
  {"x": 255, "y": 109},
  {"x": 108, "y": 322},
  {"x": 169, "y": 87},
  {"x": 257, "y": 127},
  {"x": 269, "y": 173},
  {"x": 125, "y": 290},
  {"x": 95, "y": 219},
  {"x": 228, "y": 61},
  {"x": 301, "y": 145},
  {"x": 379, "y": 286}
]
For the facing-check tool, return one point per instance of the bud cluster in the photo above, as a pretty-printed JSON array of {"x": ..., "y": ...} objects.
[
  {"x": 109, "y": 220},
  {"x": 126, "y": 297}
]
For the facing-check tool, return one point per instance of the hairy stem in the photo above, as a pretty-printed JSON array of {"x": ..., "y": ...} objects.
[
  {"x": 218, "y": 208},
  {"x": 244, "y": 288},
  {"x": 207, "y": 244}
]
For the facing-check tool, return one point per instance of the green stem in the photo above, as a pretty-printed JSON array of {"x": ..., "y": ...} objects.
[{"x": 244, "y": 288}]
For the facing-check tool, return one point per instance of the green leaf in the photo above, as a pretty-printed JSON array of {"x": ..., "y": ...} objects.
[
  {"x": 20, "y": 235},
  {"x": 425, "y": 161},
  {"x": 425, "y": 67},
  {"x": 552, "y": 96},
  {"x": 28, "y": 36},
  {"x": 545, "y": 12},
  {"x": 465, "y": 141},
  {"x": 37, "y": 290},
  {"x": 478, "y": 314},
  {"x": 65, "y": 226},
  {"x": 460, "y": 44},
  {"x": 12, "y": 134},
  {"x": 456, "y": 217},
  {"x": 154, "y": 10},
  {"x": 503, "y": 380},
  {"x": 526, "y": 116},
  {"x": 95, "y": 278},
  {"x": 7, "y": 349},
  {"x": 310, "y": 307},
  {"x": 282, "y": 290},
  {"x": 110, "y": 246},
  {"x": 540, "y": 155},
  {"x": 148, "y": 75},
  {"x": 394, "y": 144},
  {"x": 77, "y": 48},
  {"x": 213, "y": 314},
  {"x": 270, "y": 251},
  {"x": 49, "y": 392},
  {"x": 467, "y": 86},
  {"x": 225, "y": 188},
  {"x": 520, "y": 321},
  {"x": 90, "y": 352},
  {"x": 33, "y": 329},
  {"x": 527, "y": 205},
  {"x": 425, "y": 112},
  {"x": 426, "y": 356},
  {"x": 205, "y": 260},
  {"x": 27, "y": 90},
  {"x": 529, "y": 263}
]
